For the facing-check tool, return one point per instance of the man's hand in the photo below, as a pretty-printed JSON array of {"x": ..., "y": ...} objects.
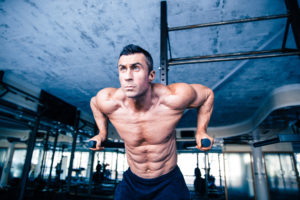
[
  {"x": 199, "y": 137},
  {"x": 99, "y": 141}
]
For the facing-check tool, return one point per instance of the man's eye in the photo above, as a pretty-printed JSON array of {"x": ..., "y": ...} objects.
[
  {"x": 135, "y": 68},
  {"x": 122, "y": 68}
]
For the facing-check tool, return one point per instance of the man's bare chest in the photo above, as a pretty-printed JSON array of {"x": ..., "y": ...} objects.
[
  {"x": 156, "y": 115},
  {"x": 158, "y": 123}
]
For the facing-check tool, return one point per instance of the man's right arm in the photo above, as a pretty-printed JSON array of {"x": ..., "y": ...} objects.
[{"x": 101, "y": 121}]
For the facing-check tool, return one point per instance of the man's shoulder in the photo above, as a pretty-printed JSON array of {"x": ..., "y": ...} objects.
[
  {"x": 178, "y": 87},
  {"x": 172, "y": 89},
  {"x": 176, "y": 95},
  {"x": 108, "y": 98},
  {"x": 106, "y": 93}
]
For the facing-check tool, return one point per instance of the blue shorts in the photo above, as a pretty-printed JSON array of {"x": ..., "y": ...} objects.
[{"x": 168, "y": 186}]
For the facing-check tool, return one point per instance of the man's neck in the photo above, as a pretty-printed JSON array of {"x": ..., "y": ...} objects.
[{"x": 143, "y": 102}]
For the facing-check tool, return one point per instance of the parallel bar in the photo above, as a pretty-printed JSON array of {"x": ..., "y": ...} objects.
[
  {"x": 228, "y": 22},
  {"x": 266, "y": 142},
  {"x": 234, "y": 58},
  {"x": 111, "y": 144},
  {"x": 163, "y": 44},
  {"x": 279, "y": 138}
]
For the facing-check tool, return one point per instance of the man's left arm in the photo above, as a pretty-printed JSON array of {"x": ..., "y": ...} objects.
[{"x": 204, "y": 102}]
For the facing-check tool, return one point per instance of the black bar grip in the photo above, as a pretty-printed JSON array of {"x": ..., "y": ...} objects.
[
  {"x": 204, "y": 143},
  {"x": 109, "y": 144},
  {"x": 91, "y": 144}
]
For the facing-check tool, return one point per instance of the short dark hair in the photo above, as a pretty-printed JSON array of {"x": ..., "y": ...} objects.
[{"x": 132, "y": 49}]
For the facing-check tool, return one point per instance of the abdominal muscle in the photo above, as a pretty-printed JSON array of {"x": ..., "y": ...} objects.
[{"x": 152, "y": 160}]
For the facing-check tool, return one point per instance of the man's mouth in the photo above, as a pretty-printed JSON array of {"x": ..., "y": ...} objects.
[{"x": 129, "y": 87}]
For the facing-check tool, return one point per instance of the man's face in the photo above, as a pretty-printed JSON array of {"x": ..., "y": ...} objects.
[{"x": 133, "y": 74}]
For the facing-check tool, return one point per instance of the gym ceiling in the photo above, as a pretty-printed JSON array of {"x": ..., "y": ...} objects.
[{"x": 70, "y": 49}]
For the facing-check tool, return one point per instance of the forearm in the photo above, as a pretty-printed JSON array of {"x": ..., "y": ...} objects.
[
  {"x": 101, "y": 120},
  {"x": 204, "y": 112},
  {"x": 102, "y": 127},
  {"x": 203, "y": 102}
]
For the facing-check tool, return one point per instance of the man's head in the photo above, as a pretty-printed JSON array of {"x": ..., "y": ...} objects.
[
  {"x": 132, "y": 49},
  {"x": 135, "y": 71}
]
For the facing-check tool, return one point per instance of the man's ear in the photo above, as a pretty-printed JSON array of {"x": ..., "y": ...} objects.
[{"x": 151, "y": 76}]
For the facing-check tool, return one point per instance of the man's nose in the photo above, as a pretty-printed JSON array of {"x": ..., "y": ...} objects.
[{"x": 128, "y": 75}]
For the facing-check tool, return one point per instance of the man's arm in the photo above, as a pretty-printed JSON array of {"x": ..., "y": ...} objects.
[
  {"x": 184, "y": 96},
  {"x": 101, "y": 121},
  {"x": 203, "y": 101}
]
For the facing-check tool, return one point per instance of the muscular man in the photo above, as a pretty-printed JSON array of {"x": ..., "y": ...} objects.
[{"x": 145, "y": 115}]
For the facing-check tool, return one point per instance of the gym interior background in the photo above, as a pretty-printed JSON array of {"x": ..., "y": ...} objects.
[{"x": 56, "y": 55}]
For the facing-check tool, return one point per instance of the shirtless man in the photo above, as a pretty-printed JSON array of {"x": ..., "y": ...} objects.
[{"x": 145, "y": 115}]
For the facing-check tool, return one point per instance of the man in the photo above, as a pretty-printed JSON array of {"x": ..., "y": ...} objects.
[{"x": 145, "y": 116}]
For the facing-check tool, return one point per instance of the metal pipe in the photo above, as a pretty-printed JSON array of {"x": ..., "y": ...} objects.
[
  {"x": 261, "y": 188},
  {"x": 117, "y": 166},
  {"x": 293, "y": 8},
  {"x": 229, "y": 22},
  {"x": 53, "y": 154},
  {"x": 87, "y": 123},
  {"x": 163, "y": 44},
  {"x": 206, "y": 174},
  {"x": 244, "y": 62},
  {"x": 197, "y": 159},
  {"x": 91, "y": 162},
  {"x": 230, "y": 54},
  {"x": 30, "y": 148},
  {"x": 7, "y": 165},
  {"x": 27, "y": 116},
  {"x": 12, "y": 118},
  {"x": 76, "y": 125},
  {"x": 296, "y": 171},
  {"x": 220, "y": 172},
  {"x": 234, "y": 58},
  {"x": 287, "y": 25},
  {"x": 44, "y": 155},
  {"x": 21, "y": 91},
  {"x": 16, "y": 107},
  {"x": 282, "y": 171}
]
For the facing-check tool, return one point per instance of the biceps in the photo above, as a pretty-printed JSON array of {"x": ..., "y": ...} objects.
[
  {"x": 100, "y": 118},
  {"x": 202, "y": 94}
]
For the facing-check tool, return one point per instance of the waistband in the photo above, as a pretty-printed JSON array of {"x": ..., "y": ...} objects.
[{"x": 161, "y": 178}]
